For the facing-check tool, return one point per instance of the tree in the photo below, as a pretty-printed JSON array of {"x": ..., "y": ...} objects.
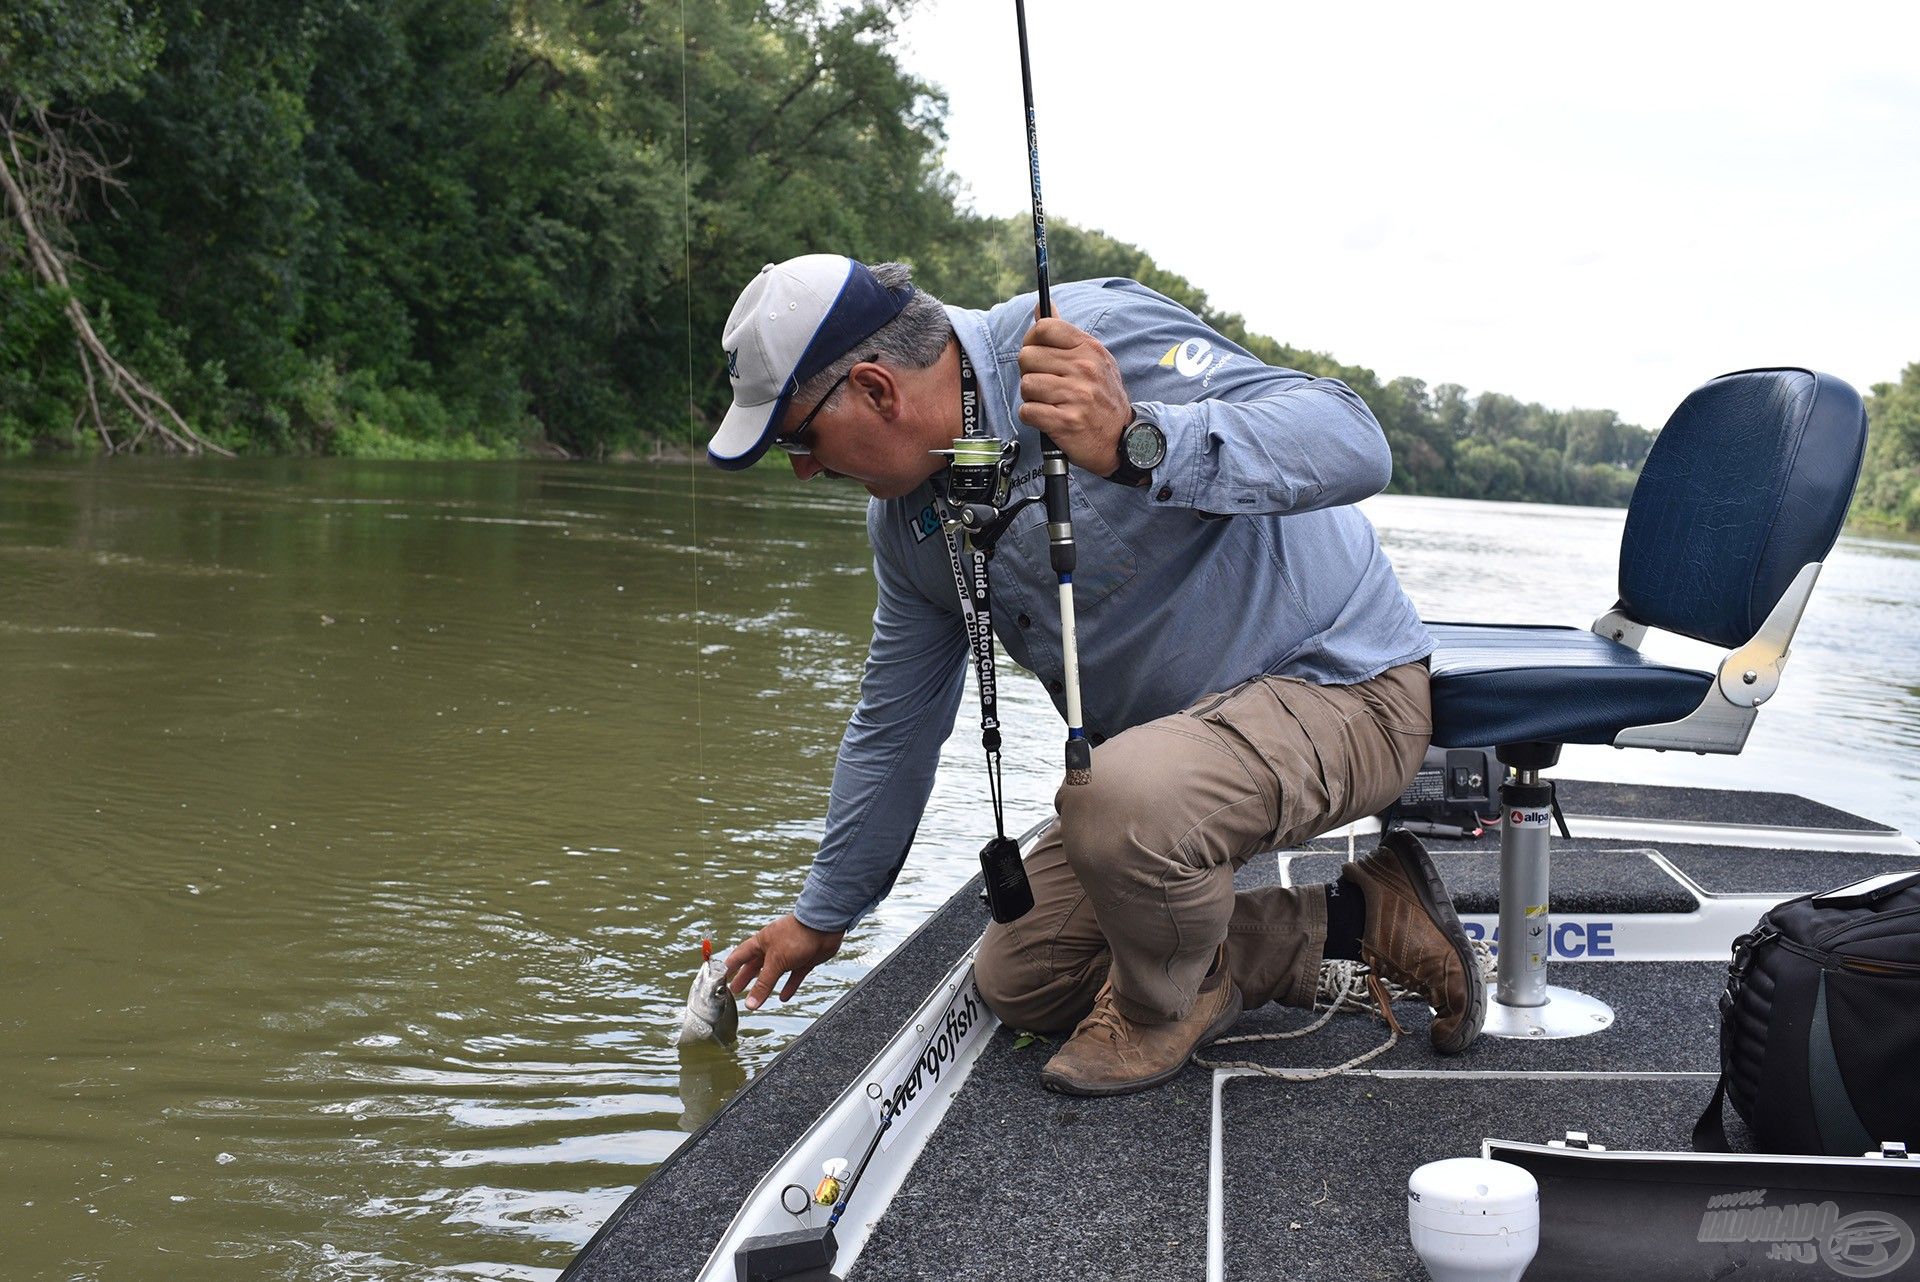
[
  {"x": 51, "y": 162},
  {"x": 1889, "y": 491}
]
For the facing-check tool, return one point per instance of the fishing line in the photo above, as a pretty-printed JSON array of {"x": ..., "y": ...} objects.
[{"x": 693, "y": 462}]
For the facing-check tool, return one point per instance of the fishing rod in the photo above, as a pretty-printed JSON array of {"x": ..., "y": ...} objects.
[
  {"x": 1053, "y": 461},
  {"x": 979, "y": 479}
]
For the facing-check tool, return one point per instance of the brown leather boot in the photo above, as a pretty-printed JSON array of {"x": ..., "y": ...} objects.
[
  {"x": 1413, "y": 938},
  {"x": 1109, "y": 1054}
]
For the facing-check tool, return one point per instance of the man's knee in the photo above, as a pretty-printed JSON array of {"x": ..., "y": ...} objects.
[
  {"x": 1112, "y": 816},
  {"x": 1002, "y": 979},
  {"x": 1169, "y": 791}
]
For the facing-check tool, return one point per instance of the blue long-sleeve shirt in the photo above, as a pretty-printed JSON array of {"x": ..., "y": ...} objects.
[{"x": 1243, "y": 556}]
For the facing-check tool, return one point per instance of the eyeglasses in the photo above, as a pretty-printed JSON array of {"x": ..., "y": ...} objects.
[{"x": 798, "y": 440}]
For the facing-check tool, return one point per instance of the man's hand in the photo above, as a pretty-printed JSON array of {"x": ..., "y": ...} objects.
[
  {"x": 1072, "y": 390},
  {"x": 774, "y": 950}
]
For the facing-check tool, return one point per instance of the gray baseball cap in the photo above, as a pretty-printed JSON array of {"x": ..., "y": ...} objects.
[{"x": 792, "y": 321}]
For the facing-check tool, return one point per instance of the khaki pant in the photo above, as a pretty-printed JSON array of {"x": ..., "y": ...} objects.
[{"x": 1137, "y": 872}]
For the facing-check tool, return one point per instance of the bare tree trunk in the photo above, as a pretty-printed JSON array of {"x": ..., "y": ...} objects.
[{"x": 50, "y": 186}]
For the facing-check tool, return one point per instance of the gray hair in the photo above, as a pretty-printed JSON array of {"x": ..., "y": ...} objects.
[{"x": 912, "y": 340}]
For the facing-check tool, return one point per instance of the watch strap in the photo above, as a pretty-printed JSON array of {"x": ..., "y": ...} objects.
[{"x": 1129, "y": 474}]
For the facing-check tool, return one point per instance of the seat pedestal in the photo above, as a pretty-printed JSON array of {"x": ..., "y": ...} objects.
[
  {"x": 1524, "y": 1005},
  {"x": 1565, "y": 1013}
]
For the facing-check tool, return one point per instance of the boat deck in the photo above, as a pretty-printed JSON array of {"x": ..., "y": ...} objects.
[{"x": 1231, "y": 1173}]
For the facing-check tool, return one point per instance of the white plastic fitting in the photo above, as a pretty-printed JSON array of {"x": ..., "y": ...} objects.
[{"x": 1473, "y": 1219}]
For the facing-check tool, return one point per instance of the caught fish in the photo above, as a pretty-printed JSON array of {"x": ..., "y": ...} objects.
[{"x": 711, "y": 1015}]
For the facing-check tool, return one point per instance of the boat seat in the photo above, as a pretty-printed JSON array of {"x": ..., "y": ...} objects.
[
  {"x": 1737, "y": 505},
  {"x": 1503, "y": 684}
]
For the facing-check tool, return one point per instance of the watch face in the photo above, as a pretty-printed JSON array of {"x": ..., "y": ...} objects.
[{"x": 1144, "y": 445}]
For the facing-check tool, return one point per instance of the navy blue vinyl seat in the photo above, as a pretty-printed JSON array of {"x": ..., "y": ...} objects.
[
  {"x": 1740, "y": 499},
  {"x": 1738, "y": 503},
  {"x": 1495, "y": 684}
]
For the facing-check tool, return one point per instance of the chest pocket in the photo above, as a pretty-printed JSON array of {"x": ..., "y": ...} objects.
[{"x": 1103, "y": 562}]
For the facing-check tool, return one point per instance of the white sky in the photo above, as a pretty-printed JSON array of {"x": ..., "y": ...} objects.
[{"x": 1579, "y": 204}]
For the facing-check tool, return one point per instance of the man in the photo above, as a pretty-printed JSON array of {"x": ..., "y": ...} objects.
[{"x": 1254, "y": 674}]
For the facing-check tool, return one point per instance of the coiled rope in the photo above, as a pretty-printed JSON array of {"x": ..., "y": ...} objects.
[{"x": 1342, "y": 985}]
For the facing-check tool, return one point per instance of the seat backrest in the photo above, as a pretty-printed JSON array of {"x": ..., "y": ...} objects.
[{"x": 1748, "y": 482}]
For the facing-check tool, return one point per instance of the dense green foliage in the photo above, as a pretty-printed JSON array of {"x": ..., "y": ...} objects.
[
  {"x": 438, "y": 228},
  {"x": 1889, "y": 493}
]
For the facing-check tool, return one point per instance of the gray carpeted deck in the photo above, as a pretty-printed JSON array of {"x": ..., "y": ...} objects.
[
  {"x": 1019, "y": 1181},
  {"x": 1705, "y": 805},
  {"x": 1327, "y": 1201},
  {"x": 1589, "y": 876}
]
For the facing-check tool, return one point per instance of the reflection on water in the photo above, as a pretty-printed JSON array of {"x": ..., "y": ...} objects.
[
  {"x": 363, "y": 821},
  {"x": 709, "y": 1075}
]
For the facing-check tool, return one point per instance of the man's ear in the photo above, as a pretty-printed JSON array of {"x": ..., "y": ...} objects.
[{"x": 876, "y": 385}]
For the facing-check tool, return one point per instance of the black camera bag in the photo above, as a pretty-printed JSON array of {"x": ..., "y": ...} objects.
[{"x": 1820, "y": 1024}]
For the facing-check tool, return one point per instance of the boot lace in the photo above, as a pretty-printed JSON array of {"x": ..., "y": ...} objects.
[{"x": 1105, "y": 1016}]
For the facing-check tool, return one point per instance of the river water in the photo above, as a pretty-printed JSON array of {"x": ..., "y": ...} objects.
[{"x": 362, "y": 821}]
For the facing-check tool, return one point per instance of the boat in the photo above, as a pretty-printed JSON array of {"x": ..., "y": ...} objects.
[
  {"x": 1229, "y": 1173},
  {"x": 1270, "y": 1163}
]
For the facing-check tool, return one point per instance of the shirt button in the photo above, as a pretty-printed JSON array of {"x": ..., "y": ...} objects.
[
  {"x": 1055, "y": 686},
  {"x": 1025, "y": 622},
  {"x": 1165, "y": 493}
]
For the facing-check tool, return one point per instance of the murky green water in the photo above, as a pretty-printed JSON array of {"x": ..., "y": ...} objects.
[{"x": 361, "y": 823}]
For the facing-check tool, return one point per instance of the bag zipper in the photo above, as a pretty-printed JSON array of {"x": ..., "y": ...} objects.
[
  {"x": 1840, "y": 961},
  {"x": 1871, "y": 966}
]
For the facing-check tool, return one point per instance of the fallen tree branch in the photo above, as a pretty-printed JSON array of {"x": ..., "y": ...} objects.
[{"x": 51, "y": 185}]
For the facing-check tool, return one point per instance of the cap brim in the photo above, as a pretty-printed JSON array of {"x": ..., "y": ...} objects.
[{"x": 746, "y": 433}]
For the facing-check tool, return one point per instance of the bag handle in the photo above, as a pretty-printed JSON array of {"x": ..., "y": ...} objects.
[{"x": 1710, "y": 1133}]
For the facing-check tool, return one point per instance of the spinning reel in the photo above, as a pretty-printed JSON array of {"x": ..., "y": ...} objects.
[{"x": 979, "y": 478}]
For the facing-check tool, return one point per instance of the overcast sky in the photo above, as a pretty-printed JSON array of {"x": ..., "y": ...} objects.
[{"x": 1595, "y": 205}]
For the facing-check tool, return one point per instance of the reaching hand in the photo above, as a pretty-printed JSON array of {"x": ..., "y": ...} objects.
[
  {"x": 774, "y": 950},
  {"x": 1072, "y": 390}
]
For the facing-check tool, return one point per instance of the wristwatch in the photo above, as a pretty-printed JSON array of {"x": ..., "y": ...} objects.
[{"x": 1143, "y": 447}]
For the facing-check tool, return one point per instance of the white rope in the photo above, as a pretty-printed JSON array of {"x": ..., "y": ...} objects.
[{"x": 1343, "y": 985}]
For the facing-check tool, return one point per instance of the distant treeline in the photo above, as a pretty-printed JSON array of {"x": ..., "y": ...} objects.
[
  {"x": 467, "y": 228},
  {"x": 1889, "y": 493}
]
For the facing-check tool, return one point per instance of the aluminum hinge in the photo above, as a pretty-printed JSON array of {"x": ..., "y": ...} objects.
[
  {"x": 1747, "y": 678},
  {"x": 1617, "y": 625},
  {"x": 1751, "y": 674}
]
